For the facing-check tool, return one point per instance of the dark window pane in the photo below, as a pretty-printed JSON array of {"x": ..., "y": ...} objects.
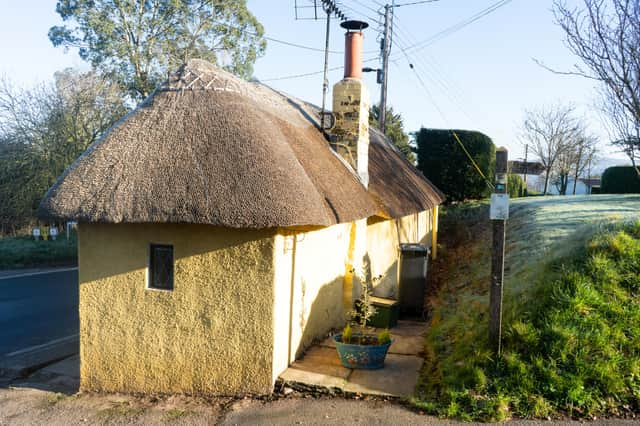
[{"x": 161, "y": 267}]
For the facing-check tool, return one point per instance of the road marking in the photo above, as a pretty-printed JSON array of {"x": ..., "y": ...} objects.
[
  {"x": 44, "y": 345},
  {"x": 30, "y": 274}
]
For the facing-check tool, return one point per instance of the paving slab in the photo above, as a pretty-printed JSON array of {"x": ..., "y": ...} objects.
[
  {"x": 310, "y": 378},
  {"x": 407, "y": 345},
  {"x": 320, "y": 366},
  {"x": 321, "y": 354},
  {"x": 328, "y": 343},
  {"x": 409, "y": 328},
  {"x": 322, "y": 360},
  {"x": 398, "y": 377}
]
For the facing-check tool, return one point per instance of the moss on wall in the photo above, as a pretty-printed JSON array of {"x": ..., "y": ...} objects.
[{"x": 213, "y": 333}]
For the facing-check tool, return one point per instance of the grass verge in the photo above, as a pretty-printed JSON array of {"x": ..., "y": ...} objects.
[
  {"x": 25, "y": 252},
  {"x": 572, "y": 316}
]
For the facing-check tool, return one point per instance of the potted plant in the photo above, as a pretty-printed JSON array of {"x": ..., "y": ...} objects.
[{"x": 363, "y": 350}]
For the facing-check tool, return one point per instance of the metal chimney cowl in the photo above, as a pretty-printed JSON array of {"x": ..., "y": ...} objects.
[{"x": 351, "y": 106}]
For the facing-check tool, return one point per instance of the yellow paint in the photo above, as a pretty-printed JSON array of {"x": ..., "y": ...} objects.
[
  {"x": 347, "y": 293},
  {"x": 360, "y": 260},
  {"x": 408, "y": 229},
  {"x": 318, "y": 281},
  {"x": 213, "y": 333},
  {"x": 310, "y": 274},
  {"x": 434, "y": 234},
  {"x": 383, "y": 242},
  {"x": 245, "y": 303},
  {"x": 382, "y": 247},
  {"x": 351, "y": 111}
]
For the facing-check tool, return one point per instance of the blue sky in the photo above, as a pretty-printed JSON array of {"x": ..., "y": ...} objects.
[{"x": 481, "y": 77}]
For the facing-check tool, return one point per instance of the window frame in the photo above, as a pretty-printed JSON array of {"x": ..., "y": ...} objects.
[{"x": 150, "y": 275}]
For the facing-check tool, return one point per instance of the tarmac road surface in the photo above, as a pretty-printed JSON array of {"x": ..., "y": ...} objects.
[{"x": 37, "y": 308}]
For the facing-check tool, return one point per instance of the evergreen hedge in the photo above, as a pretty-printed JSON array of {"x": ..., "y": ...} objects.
[
  {"x": 620, "y": 180},
  {"x": 443, "y": 162}
]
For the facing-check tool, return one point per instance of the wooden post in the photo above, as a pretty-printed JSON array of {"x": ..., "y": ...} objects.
[{"x": 499, "y": 214}]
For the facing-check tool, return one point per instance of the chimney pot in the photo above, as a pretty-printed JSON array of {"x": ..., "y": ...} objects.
[{"x": 353, "y": 48}]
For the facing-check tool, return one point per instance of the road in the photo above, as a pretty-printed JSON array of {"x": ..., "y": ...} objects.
[{"x": 37, "y": 308}]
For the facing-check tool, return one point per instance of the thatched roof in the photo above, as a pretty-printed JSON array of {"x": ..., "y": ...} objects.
[
  {"x": 209, "y": 148},
  {"x": 398, "y": 187}
]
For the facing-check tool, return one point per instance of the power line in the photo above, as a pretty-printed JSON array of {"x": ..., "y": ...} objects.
[
  {"x": 365, "y": 6},
  {"x": 415, "y": 3},
  {"x": 300, "y": 46},
  {"x": 360, "y": 13},
  {"x": 453, "y": 132},
  {"x": 275, "y": 40},
  {"x": 437, "y": 107},
  {"x": 309, "y": 74},
  {"x": 454, "y": 94},
  {"x": 458, "y": 26},
  {"x": 293, "y": 76},
  {"x": 420, "y": 45}
]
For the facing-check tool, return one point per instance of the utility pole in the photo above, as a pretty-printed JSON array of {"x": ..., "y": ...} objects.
[
  {"x": 499, "y": 213},
  {"x": 325, "y": 81},
  {"x": 386, "y": 47}
]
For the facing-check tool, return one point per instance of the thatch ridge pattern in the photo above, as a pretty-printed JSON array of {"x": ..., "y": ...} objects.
[{"x": 209, "y": 148}]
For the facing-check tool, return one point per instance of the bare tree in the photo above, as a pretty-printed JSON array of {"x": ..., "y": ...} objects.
[
  {"x": 623, "y": 128},
  {"x": 605, "y": 35},
  {"x": 586, "y": 153},
  {"x": 550, "y": 131},
  {"x": 578, "y": 150},
  {"x": 43, "y": 129},
  {"x": 563, "y": 168}
]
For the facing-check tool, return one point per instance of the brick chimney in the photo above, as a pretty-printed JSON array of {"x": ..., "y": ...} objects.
[{"x": 351, "y": 105}]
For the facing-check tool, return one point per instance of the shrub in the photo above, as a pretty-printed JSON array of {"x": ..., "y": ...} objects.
[
  {"x": 620, "y": 180},
  {"x": 25, "y": 252},
  {"x": 515, "y": 186},
  {"x": 443, "y": 162}
]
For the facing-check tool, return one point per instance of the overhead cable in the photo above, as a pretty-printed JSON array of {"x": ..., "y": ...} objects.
[
  {"x": 415, "y": 3},
  {"x": 458, "y": 26},
  {"x": 443, "y": 116}
]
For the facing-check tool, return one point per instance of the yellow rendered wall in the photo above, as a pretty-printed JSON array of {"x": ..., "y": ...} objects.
[
  {"x": 383, "y": 240},
  {"x": 310, "y": 271},
  {"x": 213, "y": 333}
]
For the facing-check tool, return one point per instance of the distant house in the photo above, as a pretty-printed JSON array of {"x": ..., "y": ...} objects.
[
  {"x": 583, "y": 186},
  {"x": 218, "y": 230},
  {"x": 592, "y": 185}
]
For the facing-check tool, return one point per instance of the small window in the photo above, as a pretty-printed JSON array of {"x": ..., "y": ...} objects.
[{"x": 161, "y": 267}]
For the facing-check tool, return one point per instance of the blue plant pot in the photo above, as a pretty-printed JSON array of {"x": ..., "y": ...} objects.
[{"x": 361, "y": 356}]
